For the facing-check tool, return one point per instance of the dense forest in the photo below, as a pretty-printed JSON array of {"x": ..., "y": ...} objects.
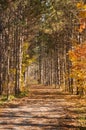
[{"x": 44, "y": 38}]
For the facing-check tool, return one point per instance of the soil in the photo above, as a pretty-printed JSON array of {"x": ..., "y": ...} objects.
[{"x": 45, "y": 108}]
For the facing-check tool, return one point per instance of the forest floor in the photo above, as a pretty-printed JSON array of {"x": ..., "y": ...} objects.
[{"x": 44, "y": 108}]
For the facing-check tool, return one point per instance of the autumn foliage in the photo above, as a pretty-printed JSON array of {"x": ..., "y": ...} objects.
[
  {"x": 78, "y": 58},
  {"x": 78, "y": 53},
  {"x": 81, "y": 15}
]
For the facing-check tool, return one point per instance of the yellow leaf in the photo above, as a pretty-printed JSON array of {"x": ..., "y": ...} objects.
[
  {"x": 79, "y": 5},
  {"x": 84, "y": 7},
  {"x": 82, "y": 14}
]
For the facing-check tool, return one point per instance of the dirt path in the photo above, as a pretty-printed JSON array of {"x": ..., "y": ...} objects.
[{"x": 44, "y": 109}]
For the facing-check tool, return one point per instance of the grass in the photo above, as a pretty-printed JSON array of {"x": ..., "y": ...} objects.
[
  {"x": 22, "y": 94},
  {"x": 4, "y": 98}
]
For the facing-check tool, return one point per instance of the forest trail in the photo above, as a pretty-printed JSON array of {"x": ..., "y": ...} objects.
[{"x": 44, "y": 109}]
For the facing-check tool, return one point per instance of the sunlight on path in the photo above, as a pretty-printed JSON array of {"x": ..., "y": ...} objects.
[{"x": 39, "y": 114}]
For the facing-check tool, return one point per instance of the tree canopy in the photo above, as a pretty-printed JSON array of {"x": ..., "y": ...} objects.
[{"x": 44, "y": 34}]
